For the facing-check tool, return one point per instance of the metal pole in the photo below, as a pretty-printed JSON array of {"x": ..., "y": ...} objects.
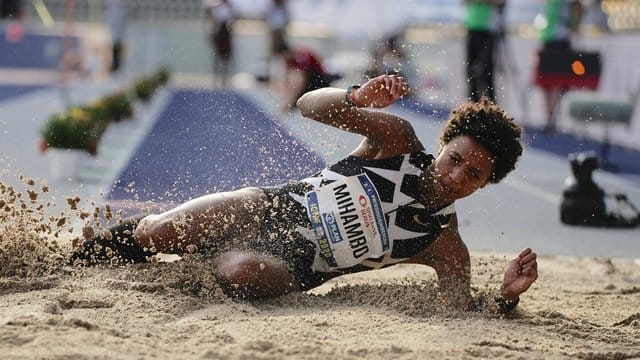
[{"x": 520, "y": 90}]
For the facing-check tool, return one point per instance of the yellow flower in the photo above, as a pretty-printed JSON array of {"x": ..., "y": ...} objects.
[{"x": 79, "y": 114}]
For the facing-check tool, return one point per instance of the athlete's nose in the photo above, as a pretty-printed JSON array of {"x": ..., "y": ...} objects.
[{"x": 456, "y": 176}]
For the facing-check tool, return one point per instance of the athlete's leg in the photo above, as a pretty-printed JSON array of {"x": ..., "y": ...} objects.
[
  {"x": 215, "y": 219},
  {"x": 115, "y": 243},
  {"x": 552, "y": 100},
  {"x": 252, "y": 276}
]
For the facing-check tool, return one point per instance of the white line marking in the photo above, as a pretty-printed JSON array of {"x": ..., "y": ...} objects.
[{"x": 533, "y": 190}]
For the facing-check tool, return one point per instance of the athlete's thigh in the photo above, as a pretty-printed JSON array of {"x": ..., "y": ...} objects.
[
  {"x": 218, "y": 218},
  {"x": 225, "y": 214}
]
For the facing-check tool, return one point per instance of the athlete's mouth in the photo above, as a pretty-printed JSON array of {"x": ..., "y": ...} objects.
[{"x": 445, "y": 191}]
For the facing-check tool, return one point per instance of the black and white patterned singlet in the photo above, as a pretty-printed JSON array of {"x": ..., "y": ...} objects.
[{"x": 411, "y": 228}]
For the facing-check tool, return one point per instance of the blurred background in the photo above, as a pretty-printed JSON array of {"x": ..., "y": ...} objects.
[{"x": 343, "y": 32}]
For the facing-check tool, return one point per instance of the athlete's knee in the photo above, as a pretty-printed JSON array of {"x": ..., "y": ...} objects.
[
  {"x": 148, "y": 231},
  {"x": 237, "y": 268},
  {"x": 251, "y": 276}
]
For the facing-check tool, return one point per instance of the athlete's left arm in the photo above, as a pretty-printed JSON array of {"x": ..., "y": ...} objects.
[
  {"x": 382, "y": 130},
  {"x": 449, "y": 256}
]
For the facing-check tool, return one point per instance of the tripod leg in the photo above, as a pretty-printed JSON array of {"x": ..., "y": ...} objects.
[{"x": 605, "y": 149}]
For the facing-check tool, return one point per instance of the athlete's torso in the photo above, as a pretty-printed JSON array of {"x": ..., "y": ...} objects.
[{"x": 410, "y": 227}]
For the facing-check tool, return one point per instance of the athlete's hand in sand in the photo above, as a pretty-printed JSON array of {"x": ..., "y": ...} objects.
[
  {"x": 521, "y": 273},
  {"x": 381, "y": 91}
]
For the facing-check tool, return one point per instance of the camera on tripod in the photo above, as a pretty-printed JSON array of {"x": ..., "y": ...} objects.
[{"x": 583, "y": 201}]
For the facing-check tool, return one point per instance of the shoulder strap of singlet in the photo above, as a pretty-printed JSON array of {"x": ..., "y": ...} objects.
[{"x": 444, "y": 215}]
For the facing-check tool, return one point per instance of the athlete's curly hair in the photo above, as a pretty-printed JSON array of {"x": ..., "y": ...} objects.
[{"x": 492, "y": 127}]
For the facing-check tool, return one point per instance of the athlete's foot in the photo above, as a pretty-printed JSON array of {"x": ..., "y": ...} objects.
[
  {"x": 116, "y": 246},
  {"x": 102, "y": 251}
]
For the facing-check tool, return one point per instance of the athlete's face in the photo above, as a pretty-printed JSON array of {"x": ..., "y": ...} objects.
[{"x": 463, "y": 166}]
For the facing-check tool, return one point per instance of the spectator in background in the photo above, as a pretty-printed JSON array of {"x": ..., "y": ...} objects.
[
  {"x": 116, "y": 14},
  {"x": 13, "y": 11},
  {"x": 387, "y": 57},
  {"x": 304, "y": 73},
  {"x": 485, "y": 24},
  {"x": 595, "y": 15},
  {"x": 277, "y": 20},
  {"x": 221, "y": 16},
  {"x": 562, "y": 20}
]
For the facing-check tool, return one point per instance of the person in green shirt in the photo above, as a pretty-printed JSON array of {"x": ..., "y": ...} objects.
[{"x": 484, "y": 23}]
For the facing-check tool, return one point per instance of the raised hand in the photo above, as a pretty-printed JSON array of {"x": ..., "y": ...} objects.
[
  {"x": 520, "y": 274},
  {"x": 381, "y": 91}
]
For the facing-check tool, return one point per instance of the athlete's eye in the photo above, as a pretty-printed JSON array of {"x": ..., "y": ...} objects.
[
  {"x": 455, "y": 158},
  {"x": 474, "y": 173}
]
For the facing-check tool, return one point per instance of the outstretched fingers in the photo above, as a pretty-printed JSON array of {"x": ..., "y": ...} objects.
[
  {"x": 394, "y": 85},
  {"x": 530, "y": 269},
  {"x": 398, "y": 87},
  {"x": 524, "y": 253},
  {"x": 528, "y": 263},
  {"x": 382, "y": 91},
  {"x": 388, "y": 82},
  {"x": 529, "y": 257},
  {"x": 525, "y": 256},
  {"x": 521, "y": 273}
]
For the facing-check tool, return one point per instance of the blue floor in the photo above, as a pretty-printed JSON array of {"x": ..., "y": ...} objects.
[
  {"x": 33, "y": 51},
  {"x": 10, "y": 91},
  {"x": 612, "y": 158},
  {"x": 208, "y": 141}
]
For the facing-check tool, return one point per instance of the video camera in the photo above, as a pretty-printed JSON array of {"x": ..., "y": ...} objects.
[{"x": 583, "y": 201}]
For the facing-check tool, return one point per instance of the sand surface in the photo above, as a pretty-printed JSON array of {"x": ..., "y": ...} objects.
[{"x": 580, "y": 308}]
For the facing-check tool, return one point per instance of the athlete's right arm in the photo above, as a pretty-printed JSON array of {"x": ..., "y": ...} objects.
[{"x": 382, "y": 129}]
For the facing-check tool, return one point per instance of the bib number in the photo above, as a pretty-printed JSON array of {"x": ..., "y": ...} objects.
[{"x": 348, "y": 221}]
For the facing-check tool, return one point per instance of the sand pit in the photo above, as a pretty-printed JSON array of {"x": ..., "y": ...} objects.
[{"x": 580, "y": 308}]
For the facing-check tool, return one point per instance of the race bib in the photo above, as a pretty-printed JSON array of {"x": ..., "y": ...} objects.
[{"x": 348, "y": 221}]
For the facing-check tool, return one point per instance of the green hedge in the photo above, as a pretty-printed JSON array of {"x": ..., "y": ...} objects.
[{"x": 81, "y": 127}]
